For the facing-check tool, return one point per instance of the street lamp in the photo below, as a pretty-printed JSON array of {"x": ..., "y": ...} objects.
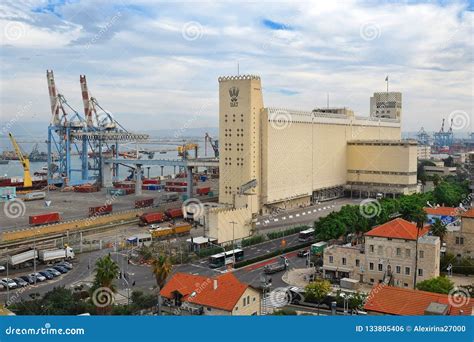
[{"x": 233, "y": 239}]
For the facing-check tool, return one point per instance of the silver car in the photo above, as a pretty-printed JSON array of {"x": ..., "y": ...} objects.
[
  {"x": 54, "y": 272},
  {"x": 9, "y": 283},
  {"x": 38, "y": 277}
]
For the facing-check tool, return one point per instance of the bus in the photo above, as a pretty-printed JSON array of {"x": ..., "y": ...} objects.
[
  {"x": 140, "y": 240},
  {"x": 225, "y": 258},
  {"x": 306, "y": 235}
]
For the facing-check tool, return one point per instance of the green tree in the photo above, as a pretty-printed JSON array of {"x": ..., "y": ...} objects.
[
  {"x": 317, "y": 290},
  {"x": 439, "y": 284},
  {"x": 161, "y": 268},
  {"x": 438, "y": 228},
  {"x": 106, "y": 271},
  {"x": 450, "y": 193}
]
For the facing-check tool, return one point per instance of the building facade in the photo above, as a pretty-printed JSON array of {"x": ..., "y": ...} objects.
[
  {"x": 423, "y": 152},
  {"x": 388, "y": 255},
  {"x": 386, "y": 105},
  {"x": 460, "y": 241}
]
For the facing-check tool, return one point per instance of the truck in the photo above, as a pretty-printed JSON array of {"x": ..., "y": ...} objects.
[
  {"x": 18, "y": 259},
  {"x": 36, "y": 220},
  {"x": 277, "y": 266},
  {"x": 100, "y": 210},
  {"x": 167, "y": 230},
  {"x": 52, "y": 255},
  {"x": 150, "y": 218},
  {"x": 318, "y": 247},
  {"x": 174, "y": 213},
  {"x": 170, "y": 196}
]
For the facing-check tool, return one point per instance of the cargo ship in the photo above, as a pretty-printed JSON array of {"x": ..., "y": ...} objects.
[{"x": 17, "y": 182}]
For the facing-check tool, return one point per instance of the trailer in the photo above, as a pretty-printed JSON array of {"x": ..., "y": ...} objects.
[
  {"x": 318, "y": 247},
  {"x": 174, "y": 213},
  {"x": 170, "y": 196},
  {"x": 52, "y": 255},
  {"x": 49, "y": 218},
  {"x": 150, "y": 218},
  {"x": 203, "y": 191},
  {"x": 144, "y": 203},
  {"x": 17, "y": 259},
  {"x": 34, "y": 196},
  {"x": 277, "y": 266},
  {"x": 101, "y": 210},
  {"x": 169, "y": 230}
]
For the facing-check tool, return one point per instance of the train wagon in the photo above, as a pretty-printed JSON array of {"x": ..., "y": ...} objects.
[
  {"x": 174, "y": 213},
  {"x": 150, "y": 218},
  {"x": 100, "y": 210},
  {"x": 203, "y": 191},
  {"x": 171, "y": 230},
  {"x": 182, "y": 228},
  {"x": 144, "y": 203},
  {"x": 36, "y": 220}
]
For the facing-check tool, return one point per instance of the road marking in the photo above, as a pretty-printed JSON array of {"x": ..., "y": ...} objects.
[
  {"x": 266, "y": 221},
  {"x": 303, "y": 214},
  {"x": 291, "y": 216},
  {"x": 258, "y": 223},
  {"x": 315, "y": 210},
  {"x": 283, "y": 218},
  {"x": 275, "y": 220},
  {"x": 297, "y": 215},
  {"x": 309, "y": 212}
]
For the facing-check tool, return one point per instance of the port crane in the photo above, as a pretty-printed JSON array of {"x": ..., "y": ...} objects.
[
  {"x": 183, "y": 150},
  {"x": 214, "y": 144},
  {"x": 444, "y": 138},
  {"x": 27, "y": 182}
]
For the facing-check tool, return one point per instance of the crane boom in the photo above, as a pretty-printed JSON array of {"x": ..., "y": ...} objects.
[{"x": 27, "y": 182}]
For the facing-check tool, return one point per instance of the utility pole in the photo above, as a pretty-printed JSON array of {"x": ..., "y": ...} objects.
[{"x": 233, "y": 239}]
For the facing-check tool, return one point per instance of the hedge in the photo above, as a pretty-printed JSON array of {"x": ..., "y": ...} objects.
[
  {"x": 252, "y": 240},
  {"x": 283, "y": 233}
]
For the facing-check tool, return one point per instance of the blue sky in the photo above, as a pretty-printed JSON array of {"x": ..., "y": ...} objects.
[{"x": 155, "y": 64}]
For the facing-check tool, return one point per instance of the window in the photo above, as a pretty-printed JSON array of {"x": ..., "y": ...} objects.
[
  {"x": 407, "y": 270},
  {"x": 371, "y": 266},
  {"x": 343, "y": 261},
  {"x": 380, "y": 250},
  {"x": 399, "y": 251},
  {"x": 371, "y": 280},
  {"x": 420, "y": 272},
  {"x": 357, "y": 262},
  {"x": 407, "y": 252},
  {"x": 331, "y": 259},
  {"x": 459, "y": 240},
  {"x": 422, "y": 254},
  {"x": 398, "y": 269},
  {"x": 371, "y": 248},
  {"x": 380, "y": 267},
  {"x": 405, "y": 284}
]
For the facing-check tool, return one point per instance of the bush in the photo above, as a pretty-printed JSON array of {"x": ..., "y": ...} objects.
[
  {"x": 283, "y": 233},
  {"x": 284, "y": 312},
  {"x": 208, "y": 251},
  {"x": 253, "y": 240}
]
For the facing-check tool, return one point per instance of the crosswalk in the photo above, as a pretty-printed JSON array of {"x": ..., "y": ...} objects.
[{"x": 290, "y": 217}]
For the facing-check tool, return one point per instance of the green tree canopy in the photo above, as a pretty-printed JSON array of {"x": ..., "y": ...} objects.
[{"x": 439, "y": 284}]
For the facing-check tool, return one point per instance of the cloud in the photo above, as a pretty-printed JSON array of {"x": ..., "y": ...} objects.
[{"x": 157, "y": 63}]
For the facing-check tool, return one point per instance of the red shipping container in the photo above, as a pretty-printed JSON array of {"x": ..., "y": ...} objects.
[
  {"x": 150, "y": 218},
  {"x": 100, "y": 210},
  {"x": 44, "y": 219},
  {"x": 144, "y": 203},
  {"x": 151, "y": 181},
  {"x": 174, "y": 213},
  {"x": 203, "y": 191}
]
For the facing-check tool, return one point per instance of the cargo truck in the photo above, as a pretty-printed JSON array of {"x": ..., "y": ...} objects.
[
  {"x": 18, "y": 259},
  {"x": 277, "y": 266},
  {"x": 170, "y": 196},
  {"x": 174, "y": 213},
  {"x": 150, "y": 218},
  {"x": 53, "y": 255},
  {"x": 101, "y": 210},
  {"x": 48, "y": 218},
  {"x": 318, "y": 247}
]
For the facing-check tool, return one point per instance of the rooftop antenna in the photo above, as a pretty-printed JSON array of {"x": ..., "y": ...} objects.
[
  {"x": 238, "y": 69},
  {"x": 386, "y": 80},
  {"x": 327, "y": 100}
]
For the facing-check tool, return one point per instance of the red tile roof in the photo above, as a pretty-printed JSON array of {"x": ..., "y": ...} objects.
[
  {"x": 200, "y": 290},
  {"x": 397, "y": 229},
  {"x": 442, "y": 211},
  {"x": 469, "y": 213},
  {"x": 400, "y": 301}
]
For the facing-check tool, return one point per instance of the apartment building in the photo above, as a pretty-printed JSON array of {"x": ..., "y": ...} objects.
[
  {"x": 460, "y": 239},
  {"x": 388, "y": 255}
]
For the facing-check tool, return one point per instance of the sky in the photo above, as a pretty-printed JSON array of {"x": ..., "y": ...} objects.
[{"x": 155, "y": 64}]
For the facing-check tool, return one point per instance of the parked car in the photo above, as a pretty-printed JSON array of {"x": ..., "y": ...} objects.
[
  {"x": 61, "y": 269},
  {"x": 38, "y": 277},
  {"x": 20, "y": 282},
  {"x": 28, "y": 278},
  {"x": 2, "y": 269},
  {"x": 303, "y": 253},
  {"x": 54, "y": 272},
  {"x": 8, "y": 283},
  {"x": 65, "y": 264},
  {"x": 46, "y": 274}
]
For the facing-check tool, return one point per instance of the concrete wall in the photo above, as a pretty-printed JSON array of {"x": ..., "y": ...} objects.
[
  {"x": 453, "y": 239},
  {"x": 221, "y": 228}
]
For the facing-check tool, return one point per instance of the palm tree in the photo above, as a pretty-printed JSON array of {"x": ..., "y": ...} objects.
[
  {"x": 419, "y": 217},
  {"x": 161, "y": 268},
  {"x": 438, "y": 228},
  {"x": 106, "y": 271}
]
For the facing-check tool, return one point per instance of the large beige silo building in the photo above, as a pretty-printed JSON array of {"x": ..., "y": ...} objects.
[{"x": 299, "y": 157}]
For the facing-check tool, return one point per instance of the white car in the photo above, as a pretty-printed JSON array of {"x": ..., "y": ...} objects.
[
  {"x": 38, "y": 277},
  {"x": 2, "y": 268},
  {"x": 8, "y": 282}
]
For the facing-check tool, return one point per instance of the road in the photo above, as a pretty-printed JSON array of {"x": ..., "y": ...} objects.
[{"x": 144, "y": 280}]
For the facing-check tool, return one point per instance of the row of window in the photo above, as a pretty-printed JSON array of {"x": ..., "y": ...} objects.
[
  {"x": 398, "y": 251},
  {"x": 459, "y": 240},
  {"x": 398, "y": 269}
]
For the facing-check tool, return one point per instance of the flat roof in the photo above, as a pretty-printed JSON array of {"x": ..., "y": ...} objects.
[{"x": 200, "y": 240}]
